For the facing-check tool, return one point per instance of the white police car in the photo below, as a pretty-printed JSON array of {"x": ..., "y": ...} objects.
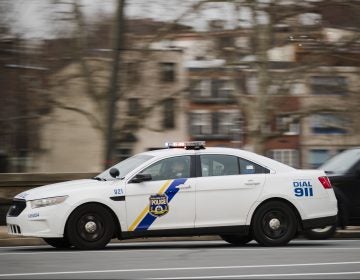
[{"x": 186, "y": 189}]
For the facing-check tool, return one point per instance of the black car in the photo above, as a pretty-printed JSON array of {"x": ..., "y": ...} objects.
[{"x": 343, "y": 171}]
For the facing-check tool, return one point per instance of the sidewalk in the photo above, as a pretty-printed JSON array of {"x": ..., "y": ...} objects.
[{"x": 9, "y": 240}]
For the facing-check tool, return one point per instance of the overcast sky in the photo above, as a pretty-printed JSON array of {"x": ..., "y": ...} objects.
[{"x": 35, "y": 18}]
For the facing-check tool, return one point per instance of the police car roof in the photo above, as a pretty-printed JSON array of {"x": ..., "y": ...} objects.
[{"x": 256, "y": 158}]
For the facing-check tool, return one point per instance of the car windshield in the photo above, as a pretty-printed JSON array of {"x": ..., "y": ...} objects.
[
  {"x": 125, "y": 166},
  {"x": 342, "y": 162}
]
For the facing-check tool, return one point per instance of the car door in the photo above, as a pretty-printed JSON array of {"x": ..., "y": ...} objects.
[
  {"x": 227, "y": 188},
  {"x": 167, "y": 201}
]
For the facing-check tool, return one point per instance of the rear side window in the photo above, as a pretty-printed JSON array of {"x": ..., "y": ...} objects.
[
  {"x": 222, "y": 165},
  {"x": 248, "y": 167},
  {"x": 219, "y": 165}
]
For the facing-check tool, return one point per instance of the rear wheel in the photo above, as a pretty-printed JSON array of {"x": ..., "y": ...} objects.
[
  {"x": 60, "y": 243},
  {"x": 329, "y": 231},
  {"x": 90, "y": 226},
  {"x": 237, "y": 240},
  {"x": 274, "y": 224},
  {"x": 320, "y": 233}
]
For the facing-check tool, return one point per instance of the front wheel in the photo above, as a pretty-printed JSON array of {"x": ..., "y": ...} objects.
[
  {"x": 274, "y": 224},
  {"x": 237, "y": 240},
  {"x": 90, "y": 226}
]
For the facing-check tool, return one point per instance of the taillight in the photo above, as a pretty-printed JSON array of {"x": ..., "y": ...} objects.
[{"x": 325, "y": 182}]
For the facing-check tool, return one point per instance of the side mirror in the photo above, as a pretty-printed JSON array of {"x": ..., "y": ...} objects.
[
  {"x": 141, "y": 178},
  {"x": 114, "y": 172}
]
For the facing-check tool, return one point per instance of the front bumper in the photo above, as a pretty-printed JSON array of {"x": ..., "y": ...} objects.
[{"x": 39, "y": 222}]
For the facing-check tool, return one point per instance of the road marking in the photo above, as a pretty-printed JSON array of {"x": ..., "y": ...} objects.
[
  {"x": 54, "y": 251},
  {"x": 261, "y": 275},
  {"x": 167, "y": 250},
  {"x": 175, "y": 269}
]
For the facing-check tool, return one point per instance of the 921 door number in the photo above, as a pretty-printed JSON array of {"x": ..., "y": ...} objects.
[{"x": 118, "y": 191}]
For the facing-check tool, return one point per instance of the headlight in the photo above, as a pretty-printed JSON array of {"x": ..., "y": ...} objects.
[{"x": 47, "y": 201}]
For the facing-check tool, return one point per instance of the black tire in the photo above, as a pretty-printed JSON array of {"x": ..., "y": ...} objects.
[
  {"x": 274, "y": 224},
  {"x": 237, "y": 240},
  {"x": 320, "y": 233},
  {"x": 329, "y": 231},
  {"x": 90, "y": 226},
  {"x": 59, "y": 243},
  {"x": 343, "y": 211}
]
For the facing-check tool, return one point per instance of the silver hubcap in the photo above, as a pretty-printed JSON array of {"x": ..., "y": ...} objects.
[
  {"x": 321, "y": 230},
  {"x": 274, "y": 224},
  {"x": 90, "y": 227}
]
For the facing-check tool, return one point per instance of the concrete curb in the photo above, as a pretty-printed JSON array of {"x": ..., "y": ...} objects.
[
  {"x": 349, "y": 232},
  {"x": 32, "y": 241},
  {"x": 9, "y": 240}
]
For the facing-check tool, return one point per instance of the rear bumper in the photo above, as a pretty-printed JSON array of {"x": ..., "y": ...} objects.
[{"x": 319, "y": 222}]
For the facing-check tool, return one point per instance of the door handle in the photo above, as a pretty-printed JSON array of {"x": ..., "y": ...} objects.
[
  {"x": 251, "y": 183},
  {"x": 182, "y": 186}
]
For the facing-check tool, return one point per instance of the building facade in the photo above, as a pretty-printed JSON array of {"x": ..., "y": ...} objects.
[
  {"x": 213, "y": 111},
  {"x": 149, "y": 110}
]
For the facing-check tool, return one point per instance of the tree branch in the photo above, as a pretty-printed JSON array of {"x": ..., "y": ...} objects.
[{"x": 95, "y": 123}]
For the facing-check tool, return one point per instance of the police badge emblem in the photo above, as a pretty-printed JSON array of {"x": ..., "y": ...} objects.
[{"x": 158, "y": 205}]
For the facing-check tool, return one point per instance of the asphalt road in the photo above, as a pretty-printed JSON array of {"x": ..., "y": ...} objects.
[{"x": 335, "y": 259}]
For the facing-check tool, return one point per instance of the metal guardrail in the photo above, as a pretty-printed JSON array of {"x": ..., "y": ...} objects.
[
  {"x": 13, "y": 183},
  {"x": 37, "y": 179}
]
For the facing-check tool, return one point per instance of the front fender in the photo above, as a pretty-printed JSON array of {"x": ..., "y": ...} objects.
[{"x": 118, "y": 208}]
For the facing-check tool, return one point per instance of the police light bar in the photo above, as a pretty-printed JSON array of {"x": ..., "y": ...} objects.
[{"x": 193, "y": 145}]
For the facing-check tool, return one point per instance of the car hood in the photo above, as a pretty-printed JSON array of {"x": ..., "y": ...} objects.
[{"x": 59, "y": 189}]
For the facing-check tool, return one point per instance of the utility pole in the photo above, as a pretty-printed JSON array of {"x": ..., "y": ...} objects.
[{"x": 114, "y": 85}]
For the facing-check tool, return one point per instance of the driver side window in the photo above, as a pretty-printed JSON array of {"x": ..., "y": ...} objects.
[{"x": 170, "y": 168}]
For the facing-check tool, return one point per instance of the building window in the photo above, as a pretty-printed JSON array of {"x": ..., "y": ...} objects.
[
  {"x": 132, "y": 72},
  {"x": 133, "y": 106},
  {"x": 169, "y": 113},
  {"x": 4, "y": 162},
  {"x": 225, "y": 42},
  {"x": 213, "y": 89},
  {"x": 200, "y": 123},
  {"x": 328, "y": 85},
  {"x": 328, "y": 124},
  {"x": 22, "y": 162},
  {"x": 252, "y": 85},
  {"x": 318, "y": 157},
  {"x": 286, "y": 156},
  {"x": 167, "y": 71},
  {"x": 222, "y": 88},
  {"x": 229, "y": 122},
  {"x": 219, "y": 125},
  {"x": 287, "y": 125},
  {"x": 200, "y": 88}
]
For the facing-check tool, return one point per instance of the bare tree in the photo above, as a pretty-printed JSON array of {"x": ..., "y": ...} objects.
[
  {"x": 100, "y": 78},
  {"x": 274, "y": 87},
  {"x": 258, "y": 108}
]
